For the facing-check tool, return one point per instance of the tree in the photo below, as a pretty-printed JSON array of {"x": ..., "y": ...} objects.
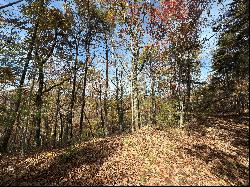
[
  {"x": 231, "y": 60},
  {"x": 9, "y": 126}
]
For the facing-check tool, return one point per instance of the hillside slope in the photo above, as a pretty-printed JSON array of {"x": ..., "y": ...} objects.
[{"x": 211, "y": 153}]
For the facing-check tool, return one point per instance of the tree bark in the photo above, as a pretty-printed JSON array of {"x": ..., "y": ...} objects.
[
  {"x": 135, "y": 100},
  {"x": 101, "y": 111},
  {"x": 38, "y": 104},
  {"x": 119, "y": 99},
  {"x": 56, "y": 115},
  {"x": 106, "y": 84},
  {"x": 188, "y": 99},
  {"x": 61, "y": 128},
  {"x": 69, "y": 126},
  {"x": 84, "y": 87},
  {"x": 39, "y": 101},
  {"x": 121, "y": 116},
  {"x": 24, "y": 138},
  {"x": 153, "y": 103}
]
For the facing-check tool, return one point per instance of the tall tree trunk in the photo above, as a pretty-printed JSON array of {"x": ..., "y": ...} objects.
[
  {"x": 134, "y": 85},
  {"x": 101, "y": 111},
  {"x": 69, "y": 126},
  {"x": 132, "y": 101},
  {"x": 119, "y": 97},
  {"x": 39, "y": 101},
  {"x": 61, "y": 128},
  {"x": 134, "y": 96},
  {"x": 181, "y": 103},
  {"x": 24, "y": 139},
  {"x": 47, "y": 131},
  {"x": 181, "y": 121},
  {"x": 106, "y": 85},
  {"x": 7, "y": 132},
  {"x": 56, "y": 115},
  {"x": 121, "y": 116},
  {"x": 38, "y": 104},
  {"x": 84, "y": 86},
  {"x": 153, "y": 103},
  {"x": 188, "y": 99}
]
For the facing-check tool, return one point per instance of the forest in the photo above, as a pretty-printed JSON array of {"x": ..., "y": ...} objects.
[{"x": 124, "y": 92}]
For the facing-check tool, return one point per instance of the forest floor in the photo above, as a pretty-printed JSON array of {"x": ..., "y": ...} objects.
[{"x": 211, "y": 151}]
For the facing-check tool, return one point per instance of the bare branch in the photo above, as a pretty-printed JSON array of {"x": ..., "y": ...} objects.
[
  {"x": 10, "y": 4},
  {"x": 58, "y": 84}
]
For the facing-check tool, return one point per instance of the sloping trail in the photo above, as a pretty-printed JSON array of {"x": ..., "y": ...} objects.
[{"x": 210, "y": 152}]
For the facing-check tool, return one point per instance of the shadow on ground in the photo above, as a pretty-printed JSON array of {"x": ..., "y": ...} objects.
[
  {"x": 225, "y": 165},
  {"x": 236, "y": 129},
  {"x": 88, "y": 158},
  {"x": 228, "y": 129}
]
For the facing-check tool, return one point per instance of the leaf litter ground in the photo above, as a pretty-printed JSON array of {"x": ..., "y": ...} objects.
[{"x": 211, "y": 151}]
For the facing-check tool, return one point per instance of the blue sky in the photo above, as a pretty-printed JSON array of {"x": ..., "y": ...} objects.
[
  {"x": 207, "y": 32},
  {"x": 210, "y": 46}
]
